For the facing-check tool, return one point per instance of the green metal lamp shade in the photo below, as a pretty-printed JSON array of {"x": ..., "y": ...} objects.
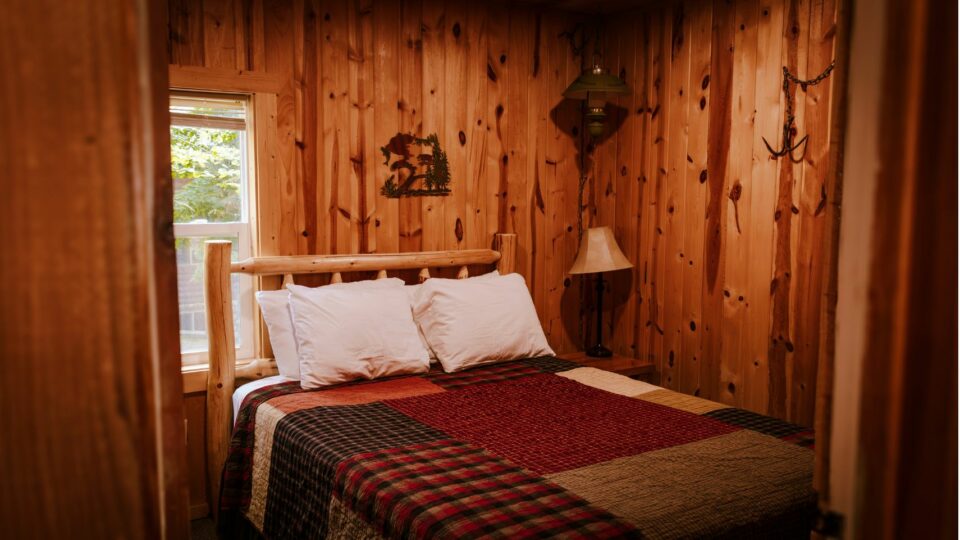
[
  {"x": 594, "y": 82},
  {"x": 592, "y": 85}
]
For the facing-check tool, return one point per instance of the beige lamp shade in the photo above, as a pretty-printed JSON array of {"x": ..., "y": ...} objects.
[{"x": 599, "y": 252}]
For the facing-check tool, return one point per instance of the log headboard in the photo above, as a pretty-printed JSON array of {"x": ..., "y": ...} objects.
[{"x": 217, "y": 292}]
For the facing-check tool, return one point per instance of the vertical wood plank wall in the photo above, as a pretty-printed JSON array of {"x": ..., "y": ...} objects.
[
  {"x": 727, "y": 293},
  {"x": 486, "y": 78}
]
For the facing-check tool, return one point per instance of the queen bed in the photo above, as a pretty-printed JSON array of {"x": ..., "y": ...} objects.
[{"x": 532, "y": 447}]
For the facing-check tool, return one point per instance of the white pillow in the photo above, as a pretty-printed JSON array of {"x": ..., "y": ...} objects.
[
  {"x": 414, "y": 290},
  {"x": 470, "y": 322},
  {"x": 275, "y": 307},
  {"x": 344, "y": 335}
]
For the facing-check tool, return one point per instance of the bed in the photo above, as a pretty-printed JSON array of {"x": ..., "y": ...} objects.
[{"x": 535, "y": 447}]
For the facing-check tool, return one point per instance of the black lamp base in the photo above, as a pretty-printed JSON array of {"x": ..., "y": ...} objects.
[{"x": 599, "y": 351}]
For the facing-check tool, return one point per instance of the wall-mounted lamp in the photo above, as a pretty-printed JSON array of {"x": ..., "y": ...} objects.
[
  {"x": 593, "y": 85},
  {"x": 598, "y": 249}
]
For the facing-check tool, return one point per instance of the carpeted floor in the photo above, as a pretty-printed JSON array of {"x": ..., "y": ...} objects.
[{"x": 202, "y": 529}]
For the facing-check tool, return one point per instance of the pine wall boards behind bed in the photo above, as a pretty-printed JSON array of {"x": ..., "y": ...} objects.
[
  {"x": 727, "y": 294},
  {"x": 484, "y": 77},
  {"x": 353, "y": 74}
]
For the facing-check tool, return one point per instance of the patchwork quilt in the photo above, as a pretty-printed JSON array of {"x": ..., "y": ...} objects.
[{"x": 531, "y": 448}]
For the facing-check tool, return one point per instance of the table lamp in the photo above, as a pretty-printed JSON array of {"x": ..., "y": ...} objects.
[{"x": 599, "y": 253}]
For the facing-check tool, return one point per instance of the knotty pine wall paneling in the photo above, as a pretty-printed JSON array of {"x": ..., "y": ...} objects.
[
  {"x": 727, "y": 295},
  {"x": 486, "y": 78}
]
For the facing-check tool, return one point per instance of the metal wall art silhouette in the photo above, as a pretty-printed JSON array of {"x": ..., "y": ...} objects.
[{"x": 407, "y": 168}]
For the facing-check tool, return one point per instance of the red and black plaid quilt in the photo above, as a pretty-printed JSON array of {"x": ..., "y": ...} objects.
[{"x": 535, "y": 448}]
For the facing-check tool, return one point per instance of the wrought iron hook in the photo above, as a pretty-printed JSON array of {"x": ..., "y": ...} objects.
[{"x": 788, "y": 148}]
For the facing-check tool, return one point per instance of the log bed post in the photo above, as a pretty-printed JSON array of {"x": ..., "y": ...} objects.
[
  {"x": 506, "y": 244},
  {"x": 222, "y": 361}
]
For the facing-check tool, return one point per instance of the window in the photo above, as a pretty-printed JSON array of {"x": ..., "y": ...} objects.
[{"x": 211, "y": 200}]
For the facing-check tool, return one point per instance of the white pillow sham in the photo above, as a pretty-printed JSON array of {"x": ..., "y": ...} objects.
[
  {"x": 344, "y": 335},
  {"x": 414, "y": 290},
  {"x": 275, "y": 307},
  {"x": 470, "y": 322}
]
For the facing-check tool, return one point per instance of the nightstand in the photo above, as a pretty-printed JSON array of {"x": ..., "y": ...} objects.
[{"x": 624, "y": 365}]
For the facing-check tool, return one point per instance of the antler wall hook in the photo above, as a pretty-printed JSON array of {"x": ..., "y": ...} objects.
[{"x": 789, "y": 131}]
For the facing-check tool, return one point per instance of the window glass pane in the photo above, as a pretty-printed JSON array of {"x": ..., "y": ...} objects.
[
  {"x": 206, "y": 164},
  {"x": 209, "y": 170},
  {"x": 193, "y": 322}
]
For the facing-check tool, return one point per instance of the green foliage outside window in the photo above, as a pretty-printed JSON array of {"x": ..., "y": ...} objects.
[{"x": 205, "y": 164}]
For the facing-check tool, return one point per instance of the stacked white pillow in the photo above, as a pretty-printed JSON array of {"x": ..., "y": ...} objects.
[
  {"x": 470, "y": 322},
  {"x": 369, "y": 329},
  {"x": 414, "y": 290},
  {"x": 364, "y": 333},
  {"x": 275, "y": 307}
]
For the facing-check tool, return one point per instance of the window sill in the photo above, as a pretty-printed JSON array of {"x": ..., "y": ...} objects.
[{"x": 194, "y": 378}]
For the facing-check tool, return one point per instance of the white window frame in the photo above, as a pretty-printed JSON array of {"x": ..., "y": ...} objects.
[{"x": 242, "y": 230}]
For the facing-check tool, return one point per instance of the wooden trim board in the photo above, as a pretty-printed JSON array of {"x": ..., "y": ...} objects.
[{"x": 224, "y": 80}]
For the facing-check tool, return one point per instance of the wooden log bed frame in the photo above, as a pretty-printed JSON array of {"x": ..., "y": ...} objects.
[{"x": 218, "y": 295}]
